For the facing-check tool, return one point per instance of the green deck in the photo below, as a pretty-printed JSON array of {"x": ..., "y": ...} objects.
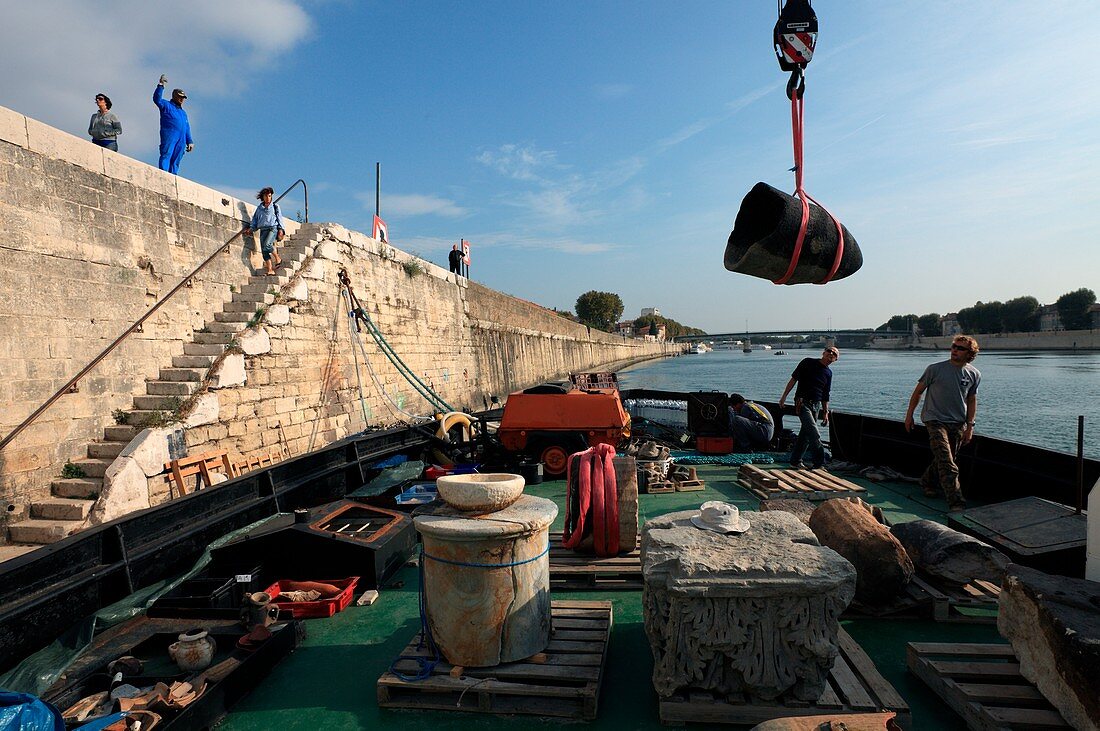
[{"x": 329, "y": 682}]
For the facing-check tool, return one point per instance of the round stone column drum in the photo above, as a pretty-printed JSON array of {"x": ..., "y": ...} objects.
[{"x": 487, "y": 581}]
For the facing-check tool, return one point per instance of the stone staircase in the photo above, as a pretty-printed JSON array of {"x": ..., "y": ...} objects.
[{"x": 72, "y": 499}]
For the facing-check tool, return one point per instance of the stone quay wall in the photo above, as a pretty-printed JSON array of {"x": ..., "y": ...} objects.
[
  {"x": 92, "y": 239},
  {"x": 1051, "y": 340}
]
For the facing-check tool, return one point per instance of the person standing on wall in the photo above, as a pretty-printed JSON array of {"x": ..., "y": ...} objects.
[
  {"x": 175, "y": 129},
  {"x": 811, "y": 401},
  {"x": 267, "y": 222},
  {"x": 454, "y": 258},
  {"x": 950, "y": 390},
  {"x": 104, "y": 128}
]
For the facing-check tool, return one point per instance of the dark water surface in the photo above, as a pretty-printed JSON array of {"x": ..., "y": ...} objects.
[{"x": 1029, "y": 397}]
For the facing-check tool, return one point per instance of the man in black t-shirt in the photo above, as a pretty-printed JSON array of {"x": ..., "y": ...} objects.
[
  {"x": 811, "y": 400},
  {"x": 454, "y": 258}
]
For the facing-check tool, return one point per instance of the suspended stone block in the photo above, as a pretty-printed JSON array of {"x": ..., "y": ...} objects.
[
  {"x": 1053, "y": 623},
  {"x": 487, "y": 581},
  {"x": 766, "y": 230},
  {"x": 950, "y": 555},
  {"x": 880, "y": 560},
  {"x": 752, "y": 613}
]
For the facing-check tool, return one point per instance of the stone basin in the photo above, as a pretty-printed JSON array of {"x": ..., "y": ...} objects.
[{"x": 477, "y": 493}]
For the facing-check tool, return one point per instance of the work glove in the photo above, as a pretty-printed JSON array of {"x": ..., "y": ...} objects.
[
  {"x": 190, "y": 146},
  {"x": 163, "y": 80}
]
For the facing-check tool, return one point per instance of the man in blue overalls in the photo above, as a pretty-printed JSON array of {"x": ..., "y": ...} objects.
[{"x": 175, "y": 130}]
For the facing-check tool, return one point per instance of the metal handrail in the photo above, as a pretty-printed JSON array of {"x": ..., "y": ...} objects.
[{"x": 71, "y": 386}]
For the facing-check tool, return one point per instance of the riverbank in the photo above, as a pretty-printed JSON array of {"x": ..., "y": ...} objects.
[{"x": 1063, "y": 340}]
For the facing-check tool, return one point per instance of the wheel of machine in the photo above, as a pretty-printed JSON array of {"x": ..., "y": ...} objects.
[
  {"x": 553, "y": 451},
  {"x": 554, "y": 458}
]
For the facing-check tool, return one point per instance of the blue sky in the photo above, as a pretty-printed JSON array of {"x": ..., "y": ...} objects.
[{"x": 607, "y": 145}]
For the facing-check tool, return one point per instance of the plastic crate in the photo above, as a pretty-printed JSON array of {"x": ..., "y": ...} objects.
[
  {"x": 714, "y": 445},
  {"x": 321, "y": 607},
  {"x": 214, "y": 593}
]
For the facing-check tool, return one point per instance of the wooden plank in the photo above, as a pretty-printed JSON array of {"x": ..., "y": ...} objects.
[
  {"x": 563, "y": 681},
  {"x": 963, "y": 649},
  {"x": 1014, "y": 703},
  {"x": 851, "y": 688},
  {"x": 1002, "y": 694}
]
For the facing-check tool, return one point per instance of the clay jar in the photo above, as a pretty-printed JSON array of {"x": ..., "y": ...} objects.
[
  {"x": 194, "y": 651},
  {"x": 257, "y": 610}
]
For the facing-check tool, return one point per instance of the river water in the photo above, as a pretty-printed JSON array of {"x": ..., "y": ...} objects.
[{"x": 1028, "y": 397}]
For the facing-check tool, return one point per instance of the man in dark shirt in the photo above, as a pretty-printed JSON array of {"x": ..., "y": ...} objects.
[
  {"x": 454, "y": 258},
  {"x": 811, "y": 400}
]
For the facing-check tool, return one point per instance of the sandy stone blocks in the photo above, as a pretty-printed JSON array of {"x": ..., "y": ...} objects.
[
  {"x": 230, "y": 373},
  {"x": 13, "y": 127},
  {"x": 124, "y": 490},
  {"x": 204, "y": 410},
  {"x": 278, "y": 315},
  {"x": 54, "y": 143},
  {"x": 255, "y": 342}
]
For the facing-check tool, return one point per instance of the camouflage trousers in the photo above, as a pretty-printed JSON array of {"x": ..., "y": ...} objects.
[{"x": 943, "y": 473}]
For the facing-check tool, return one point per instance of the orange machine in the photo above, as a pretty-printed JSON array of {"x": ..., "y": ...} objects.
[{"x": 552, "y": 421}]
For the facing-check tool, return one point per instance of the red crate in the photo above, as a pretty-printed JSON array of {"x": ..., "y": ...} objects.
[
  {"x": 321, "y": 607},
  {"x": 713, "y": 445}
]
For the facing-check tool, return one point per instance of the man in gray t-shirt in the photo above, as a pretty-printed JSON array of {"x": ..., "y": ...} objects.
[{"x": 950, "y": 390}]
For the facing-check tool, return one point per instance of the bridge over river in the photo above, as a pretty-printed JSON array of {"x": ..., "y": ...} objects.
[{"x": 842, "y": 338}]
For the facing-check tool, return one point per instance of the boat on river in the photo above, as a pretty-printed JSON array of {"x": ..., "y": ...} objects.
[{"x": 114, "y": 570}]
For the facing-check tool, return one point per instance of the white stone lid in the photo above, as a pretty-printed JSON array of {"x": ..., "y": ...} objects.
[{"x": 526, "y": 515}]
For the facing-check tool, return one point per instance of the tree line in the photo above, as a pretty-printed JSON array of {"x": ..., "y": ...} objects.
[
  {"x": 602, "y": 310},
  {"x": 1014, "y": 316}
]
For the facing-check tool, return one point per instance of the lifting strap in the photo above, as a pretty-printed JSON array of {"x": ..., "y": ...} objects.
[
  {"x": 592, "y": 502},
  {"x": 795, "y": 39}
]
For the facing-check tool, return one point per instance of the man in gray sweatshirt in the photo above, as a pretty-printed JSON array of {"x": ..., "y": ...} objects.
[{"x": 950, "y": 390}]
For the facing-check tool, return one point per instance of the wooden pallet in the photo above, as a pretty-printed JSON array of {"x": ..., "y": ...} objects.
[
  {"x": 562, "y": 681},
  {"x": 982, "y": 683},
  {"x": 924, "y": 595},
  {"x": 854, "y": 686},
  {"x": 572, "y": 571},
  {"x": 947, "y": 600},
  {"x": 816, "y": 484}
]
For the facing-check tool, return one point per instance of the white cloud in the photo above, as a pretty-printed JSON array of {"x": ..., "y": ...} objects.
[
  {"x": 521, "y": 162},
  {"x": 414, "y": 204},
  {"x": 59, "y": 54}
]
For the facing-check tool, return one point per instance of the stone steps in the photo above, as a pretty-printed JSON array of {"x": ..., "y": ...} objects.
[
  {"x": 212, "y": 338},
  {"x": 256, "y": 297},
  {"x": 119, "y": 433},
  {"x": 105, "y": 450},
  {"x": 241, "y": 317},
  {"x": 181, "y": 389},
  {"x": 214, "y": 349},
  {"x": 73, "y": 498},
  {"x": 156, "y": 403},
  {"x": 40, "y": 531},
  {"x": 180, "y": 374},
  {"x": 147, "y": 417},
  {"x": 93, "y": 467},
  {"x": 77, "y": 487},
  {"x": 230, "y": 328},
  {"x": 60, "y": 508},
  {"x": 193, "y": 361}
]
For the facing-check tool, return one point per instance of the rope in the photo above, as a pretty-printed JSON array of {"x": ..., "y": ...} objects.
[
  {"x": 356, "y": 311},
  {"x": 355, "y": 359},
  {"x": 798, "y": 135},
  {"x": 597, "y": 497}
]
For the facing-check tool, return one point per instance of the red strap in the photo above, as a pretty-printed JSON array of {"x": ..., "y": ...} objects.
[
  {"x": 577, "y": 468},
  {"x": 605, "y": 459},
  {"x": 599, "y": 508},
  {"x": 797, "y": 133}
]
